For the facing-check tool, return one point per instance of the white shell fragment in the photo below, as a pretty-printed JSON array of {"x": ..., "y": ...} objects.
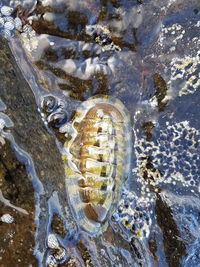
[
  {"x": 7, "y": 218},
  {"x": 6, "y": 10},
  {"x": 52, "y": 241}
]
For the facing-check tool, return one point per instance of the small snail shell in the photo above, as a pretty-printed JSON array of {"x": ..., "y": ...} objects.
[
  {"x": 6, "y": 10},
  {"x": 50, "y": 103},
  {"x": 58, "y": 118}
]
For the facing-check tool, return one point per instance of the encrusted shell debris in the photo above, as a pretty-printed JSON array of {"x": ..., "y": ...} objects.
[
  {"x": 133, "y": 214},
  {"x": 97, "y": 160},
  {"x": 102, "y": 36},
  {"x": 7, "y": 218}
]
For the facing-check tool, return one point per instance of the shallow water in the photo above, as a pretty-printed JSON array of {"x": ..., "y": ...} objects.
[{"x": 144, "y": 53}]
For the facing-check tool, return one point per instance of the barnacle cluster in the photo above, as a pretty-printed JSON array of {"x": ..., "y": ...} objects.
[
  {"x": 172, "y": 157},
  {"x": 186, "y": 70},
  {"x": 7, "y": 23},
  {"x": 102, "y": 36},
  {"x": 58, "y": 254},
  {"x": 134, "y": 214},
  {"x": 29, "y": 38}
]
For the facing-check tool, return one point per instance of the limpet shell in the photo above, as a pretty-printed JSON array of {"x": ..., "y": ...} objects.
[{"x": 97, "y": 160}]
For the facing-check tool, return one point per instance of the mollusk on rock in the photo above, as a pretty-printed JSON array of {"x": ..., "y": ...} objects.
[{"x": 97, "y": 160}]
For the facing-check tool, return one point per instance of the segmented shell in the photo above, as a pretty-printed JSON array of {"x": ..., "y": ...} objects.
[{"x": 98, "y": 160}]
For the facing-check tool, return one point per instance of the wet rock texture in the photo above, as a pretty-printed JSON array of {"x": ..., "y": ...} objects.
[
  {"x": 30, "y": 133},
  {"x": 17, "y": 238}
]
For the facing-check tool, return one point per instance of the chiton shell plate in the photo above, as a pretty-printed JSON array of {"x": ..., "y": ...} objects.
[{"x": 97, "y": 160}]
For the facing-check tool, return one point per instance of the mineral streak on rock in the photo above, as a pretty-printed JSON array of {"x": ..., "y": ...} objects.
[
  {"x": 186, "y": 71},
  {"x": 97, "y": 160},
  {"x": 181, "y": 70},
  {"x": 171, "y": 157}
]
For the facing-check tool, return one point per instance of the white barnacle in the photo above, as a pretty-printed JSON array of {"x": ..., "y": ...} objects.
[
  {"x": 52, "y": 241},
  {"x": 9, "y": 25},
  {"x": 51, "y": 261},
  {"x": 6, "y": 33},
  {"x": 18, "y": 24},
  {"x": 7, "y": 218},
  {"x": 2, "y": 124},
  {"x": 6, "y": 10}
]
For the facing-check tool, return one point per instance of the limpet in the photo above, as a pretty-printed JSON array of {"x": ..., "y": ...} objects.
[{"x": 97, "y": 160}]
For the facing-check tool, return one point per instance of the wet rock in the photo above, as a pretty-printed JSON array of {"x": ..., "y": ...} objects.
[{"x": 17, "y": 238}]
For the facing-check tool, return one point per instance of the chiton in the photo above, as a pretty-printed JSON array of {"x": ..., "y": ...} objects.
[{"x": 97, "y": 160}]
